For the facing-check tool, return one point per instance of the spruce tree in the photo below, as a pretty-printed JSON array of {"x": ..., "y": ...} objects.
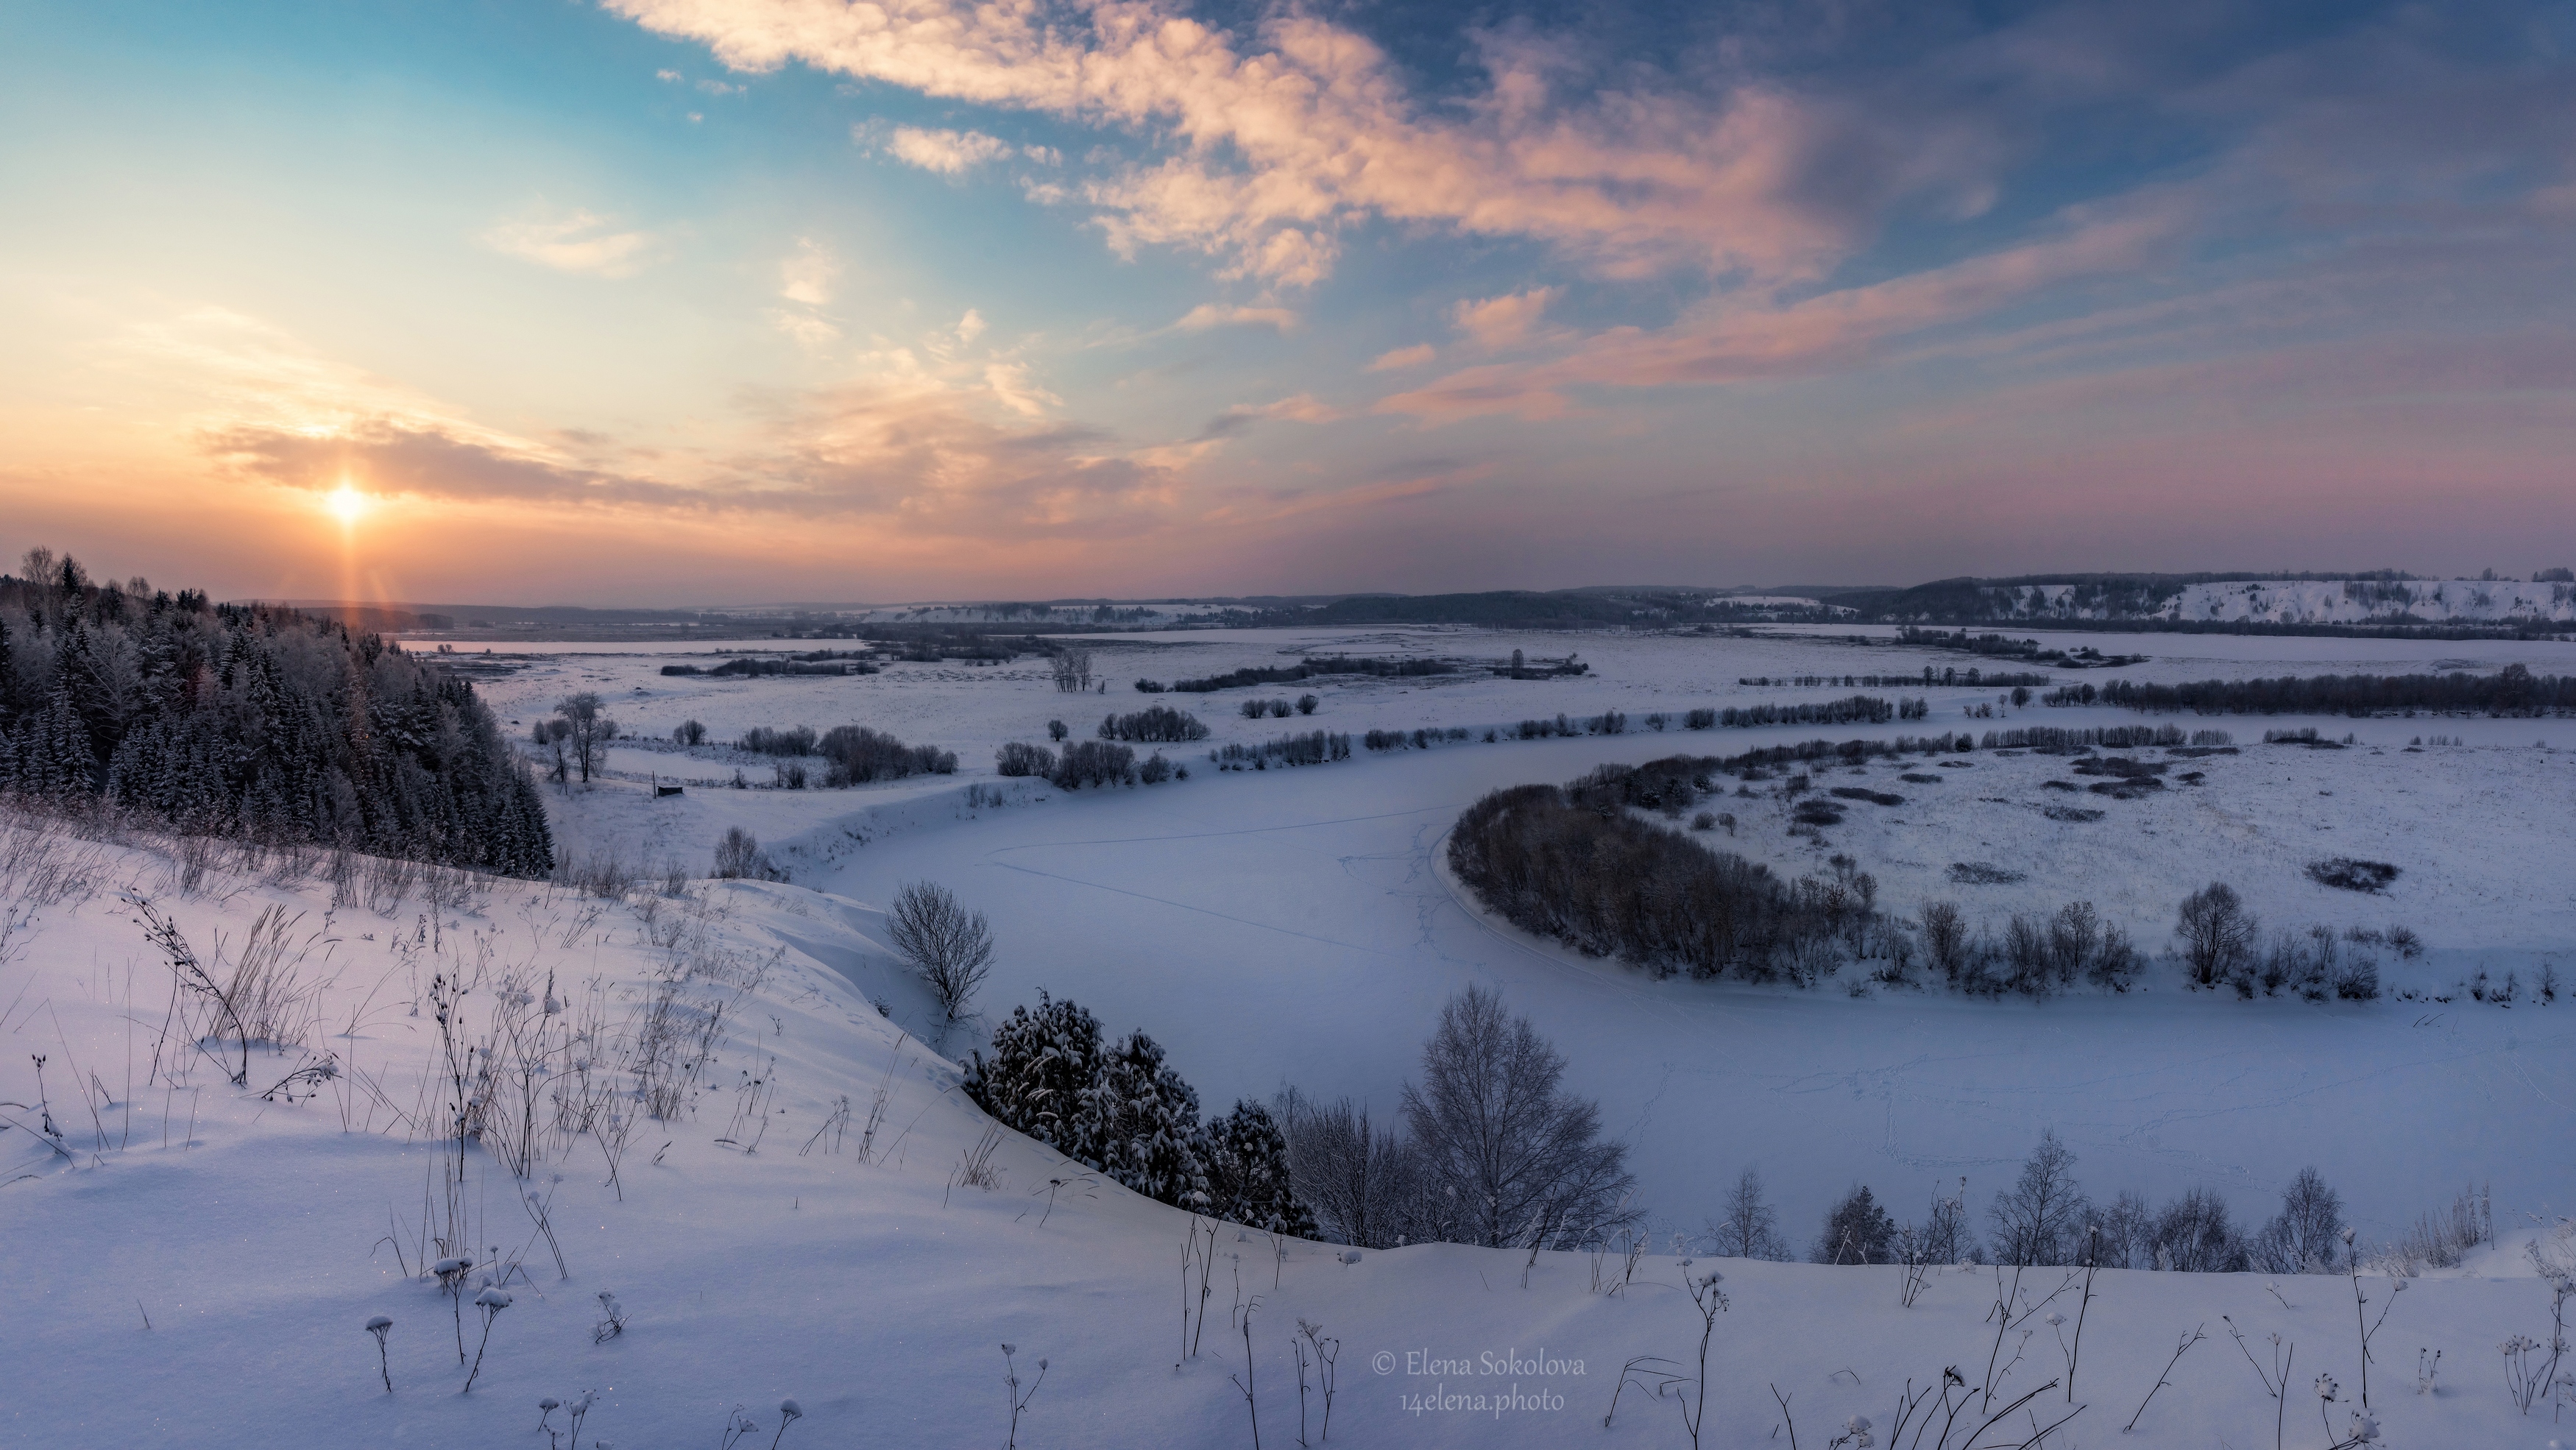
[{"x": 1247, "y": 1173}]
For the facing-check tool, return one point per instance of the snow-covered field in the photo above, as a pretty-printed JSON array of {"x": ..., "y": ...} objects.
[
  {"x": 1307, "y": 901},
  {"x": 1295, "y": 928}
]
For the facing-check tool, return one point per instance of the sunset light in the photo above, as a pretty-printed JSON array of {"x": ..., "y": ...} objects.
[{"x": 346, "y": 504}]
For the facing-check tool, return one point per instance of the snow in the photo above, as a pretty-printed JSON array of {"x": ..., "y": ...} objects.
[
  {"x": 2319, "y": 601},
  {"x": 1295, "y": 927}
]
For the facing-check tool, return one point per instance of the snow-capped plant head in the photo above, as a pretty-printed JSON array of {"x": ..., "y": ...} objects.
[
  {"x": 380, "y": 1326},
  {"x": 2364, "y": 1429},
  {"x": 791, "y": 1411},
  {"x": 491, "y": 1301},
  {"x": 2326, "y": 1387}
]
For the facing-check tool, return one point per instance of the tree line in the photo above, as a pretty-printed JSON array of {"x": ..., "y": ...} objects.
[
  {"x": 2511, "y": 691},
  {"x": 1305, "y": 669},
  {"x": 252, "y": 721}
]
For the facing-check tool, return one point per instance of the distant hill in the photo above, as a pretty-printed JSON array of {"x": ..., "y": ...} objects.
[
  {"x": 2382, "y": 598},
  {"x": 1594, "y": 607}
]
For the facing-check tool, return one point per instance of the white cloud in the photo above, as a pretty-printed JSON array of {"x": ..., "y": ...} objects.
[
  {"x": 669, "y": 75},
  {"x": 1010, "y": 386},
  {"x": 970, "y": 326},
  {"x": 577, "y": 241},
  {"x": 1211, "y": 314},
  {"x": 814, "y": 333},
  {"x": 947, "y": 152},
  {"x": 808, "y": 276}
]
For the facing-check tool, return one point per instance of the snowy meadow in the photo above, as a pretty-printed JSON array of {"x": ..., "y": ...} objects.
[{"x": 686, "y": 1137}]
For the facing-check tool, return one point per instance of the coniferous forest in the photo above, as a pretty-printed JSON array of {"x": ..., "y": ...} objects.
[{"x": 251, "y": 721}]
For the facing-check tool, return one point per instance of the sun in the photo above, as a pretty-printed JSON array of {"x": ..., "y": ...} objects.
[{"x": 346, "y": 503}]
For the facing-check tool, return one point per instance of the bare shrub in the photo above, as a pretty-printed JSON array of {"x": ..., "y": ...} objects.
[
  {"x": 950, "y": 946},
  {"x": 2307, "y": 1236},
  {"x": 2040, "y": 1219},
  {"x": 1751, "y": 1229},
  {"x": 584, "y": 726},
  {"x": 1094, "y": 762},
  {"x": 1020, "y": 759},
  {"x": 2194, "y": 1235},
  {"x": 1358, "y": 1177},
  {"x": 859, "y": 755},
  {"x": 2217, "y": 933},
  {"x": 1071, "y": 668},
  {"x": 1521, "y": 1162},
  {"x": 1945, "y": 938},
  {"x": 739, "y": 857},
  {"x": 1155, "y": 724},
  {"x": 603, "y": 873}
]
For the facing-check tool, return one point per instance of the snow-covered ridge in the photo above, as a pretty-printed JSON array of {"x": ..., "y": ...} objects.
[
  {"x": 198, "y": 1262},
  {"x": 2302, "y": 601}
]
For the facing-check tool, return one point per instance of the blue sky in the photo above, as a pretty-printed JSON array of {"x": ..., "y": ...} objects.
[{"x": 703, "y": 300}]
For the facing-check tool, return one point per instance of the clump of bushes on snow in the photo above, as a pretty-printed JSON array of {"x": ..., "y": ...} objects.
[
  {"x": 766, "y": 740},
  {"x": 855, "y": 754},
  {"x": 1315, "y": 747},
  {"x": 1019, "y": 759},
  {"x": 2044, "y": 1218},
  {"x": 859, "y": 755},
  {"x": 1156, "y": 724},
  {"x": 1093, "y": 762},
  {"x": 2222, "y": 942},
  {"x": 2032, "y": 956},
  {"x": 2345, "y": 873},
  {"x": 1422, "y": 739}
]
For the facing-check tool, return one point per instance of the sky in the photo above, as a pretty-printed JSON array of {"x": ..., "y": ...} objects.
[{"x": 731, "y": 301}]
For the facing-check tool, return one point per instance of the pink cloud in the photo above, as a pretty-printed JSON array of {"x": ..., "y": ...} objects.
[
  {"x": 1402, "y": 357},
  {"x": 1282, "y": 140},
  {"x": 1499, "y": 322},
  {"x": 1727, "y": 340}
]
